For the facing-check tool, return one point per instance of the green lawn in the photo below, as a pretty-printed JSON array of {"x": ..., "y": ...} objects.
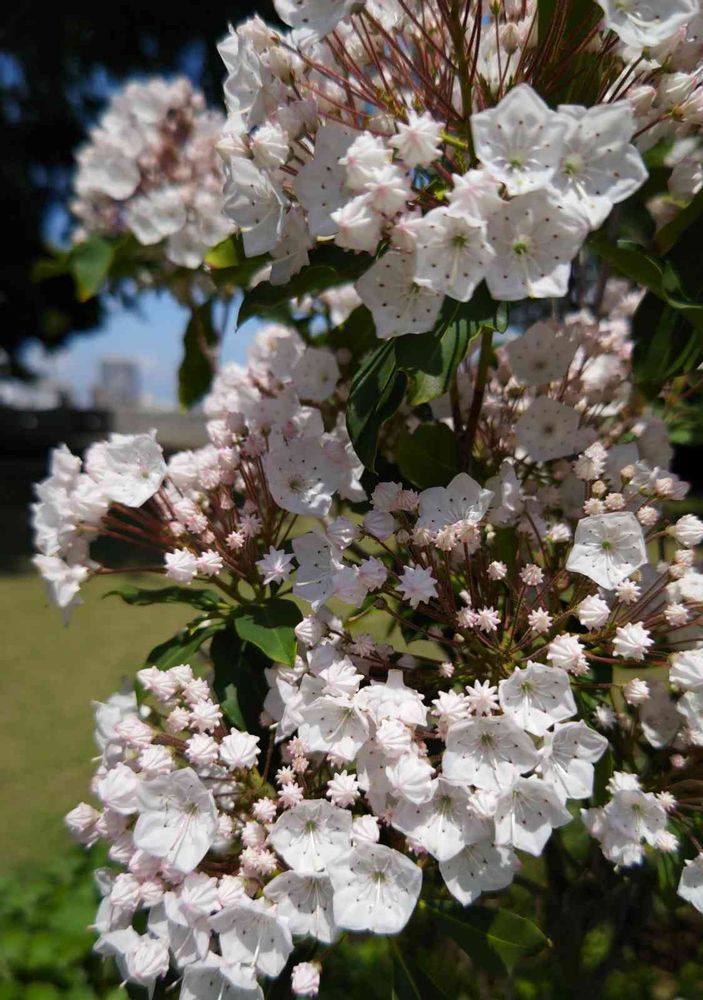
[{"x": 49, "y": 677}]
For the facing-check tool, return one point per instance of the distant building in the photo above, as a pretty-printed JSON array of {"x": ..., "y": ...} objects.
[{"x": 119, "y": 384}]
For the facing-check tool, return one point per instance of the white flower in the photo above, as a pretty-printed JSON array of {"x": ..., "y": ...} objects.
[
  {"x": 520, "y": 140},
  {"x": 593, "y": 612},
  {"x": 375, "y": 889},
  {"x": 305, "y": 979},
  {"x": 643, "y": 23},
  {"x": 451, "y": 253},
  {"x": 131, "y": 468},
  {"x": 301, "y": 478},
  {"x": 417, "y": 585},
  {"x": 256, "y": 204},
  {"x": 215, "y": 979},
  {"x": 177, "y": 819},
  {"x": 275, "y": 566},
  {"x": 417, "y": 141},
  {"x": 549, "y": 429},
  {"x": 314, "y": 581},
  {"x": 306, "y": 903},
  {"x": 462, "y": 500},
  {"x": 358, "y": 225},
  {"x": 567, "y": 758},
  {"x": 691, "y": 884},
  {"x": 442, "y": 825},
  {"x": 119, "y": 790},
  {"x": 62, "y": 580},
  {"x": 239, "y": 750},
  {"x": 364, "y": 157},
  {"x": 636, "y": 691},
  {"x": 252, "y": 933},
  {"x": 312, "y": 836},
  {"x": 536, "y": 697},
  {"x": 478, "y": 868},
  {"x": 567, "y": 653},
  {"x": 316, "y": 374},
  {"x": 688, "y": 530},
  {"x": 542, "y": 354},
  {"x": 181, "y": 566},
  {"x": 334, "y": 725},
  {"x": 527, "y": 813},
  {"x": 535, "y": 240},
  {"x": 687, "y": 670},
  {"x": 481, "y": 698},
  {"x": 140, "y": 958},
  {"x": 393, "y": 700},
  {"x": 600, "y": 167},
  {"x": 489, "y": 752},
  {"x": 632, "y": 641},
  {"x": 398, "y": 302},
  {"x": 319, "y": 184},
  {"x": 313, "y": 19},
  {"x": 608, "y": 548}
]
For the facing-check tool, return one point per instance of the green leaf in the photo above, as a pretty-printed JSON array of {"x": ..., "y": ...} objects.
[
  {"x": 231, "y": 707},
  {"x": 181, "y": 647},
  {"x": 409, "y": 980},
  {"x": 494, "y": 939},
  {"x": 206, "y": 600},
  {"x": 228, "y": 253},
  {"x": 197, "y": 368},
  {"x": 240, "y": 681},
  {"x": 603, "y": 773},
  {"x": 229, "y": 266},
  {"x": 377, "y": 391},
  {"x": 90, "y": 265},
  {"x": 669, "y": 235},
  {"x": 428, "y": 457},
  {"x": 431, "y": 359},
  {"x": 329, "y": 266},
  {"x": 270, "y": 627}
]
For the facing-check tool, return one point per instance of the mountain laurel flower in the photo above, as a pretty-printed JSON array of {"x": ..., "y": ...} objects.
[
  {"x": 632, "y": 641},
  {"x": 636, "y": 691},
  {"x": 305, "y": 979},
  {"x": 688, "y": 530},
  {"x": 417, "y": 585}
]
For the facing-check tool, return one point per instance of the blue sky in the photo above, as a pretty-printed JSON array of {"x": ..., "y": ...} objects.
[{"x": 151, "y": 335}]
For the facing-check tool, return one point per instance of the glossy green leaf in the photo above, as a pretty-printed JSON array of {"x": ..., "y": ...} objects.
[
  {"x": 239, "y": 679},
  {"x": 494, "y": 939},
  {"x": 377, "y": 391},
  {"x": 428, "y": 456},
  {"x": 183, "y": 646},
  {"x": 90, "y": 265},
  {"x": 329, "y": 266},
  {"x": 197, "y": 368},
  {"x": 206, "y": 600},
  {"x": 270, "y": 627},
  {"x": 410, "y": 982},
  {"x": 670, "y": 234}
]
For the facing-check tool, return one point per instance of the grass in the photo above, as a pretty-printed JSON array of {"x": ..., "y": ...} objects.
[{"x": 49, "y": 678}]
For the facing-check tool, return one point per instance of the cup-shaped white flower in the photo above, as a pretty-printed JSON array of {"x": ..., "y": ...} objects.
[
  {"x": 252, "y": 933},
  {"x": 542, "y": 354},
  {"x": 301, "y": 478},
  {"x": 527, "y": 813},
  {"x": 478, "y": 868},
  {"x": 520, "y": 140},
  {"x": 568, "y": 756},
  {"x": 691, "y": 884},
  {"x": 489, "y": 753},
  {"x": 462, "y": 500},
  {"x": 334, "y": 725},
  {"x": 177, "y": 819},
  {"x": 306, "y": 903},
  {"x": 608, "y": 548},
  {"x": 375, "y": 889},
  {"x": 130, "y": 468},
  {"x": 549, "y": 429},
  {"x": 214, "y": 979},
  {"x": 398, "y": 302},
  {"x": 536, "y": 697},
  {"x": 643, "y": 23},
  {"x": 452, "y": 253},
  {"x": 312, "y": 835},
  {"x": 443, "y": 826},
  {"x": 687, "y": 670}
]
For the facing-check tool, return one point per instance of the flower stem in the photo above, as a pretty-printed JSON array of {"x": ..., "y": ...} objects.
[{"x": 479, "y": 390}]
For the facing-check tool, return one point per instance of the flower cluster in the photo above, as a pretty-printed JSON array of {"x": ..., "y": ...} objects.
[
  {"x": 151, "y": 168},
  {"x": 221, "y": 508},
  {"x": 455, "y": 181},
  {"x": 469, "y": 654}
]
